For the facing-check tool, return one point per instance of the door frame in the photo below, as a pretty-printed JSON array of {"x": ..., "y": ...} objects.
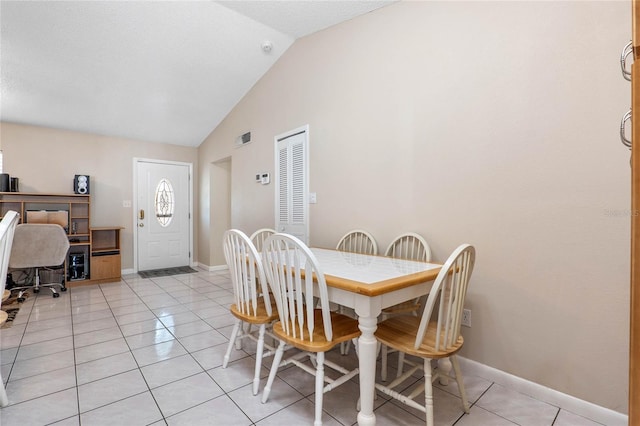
[
  {"x": 634, "y": 305},
  {"x": 634, "y": 293},
  {"x": 134, "y": 221}
]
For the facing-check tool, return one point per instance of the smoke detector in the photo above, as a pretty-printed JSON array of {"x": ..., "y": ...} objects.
[{"x": 266, "y": 46}]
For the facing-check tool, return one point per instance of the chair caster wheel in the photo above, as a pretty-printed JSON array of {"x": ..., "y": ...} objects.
[
  {"x": 20, "y": 299},
  {"x": 63, "y": 289},
  {"x": 56, "y": 295},
  {"x": 36, "y": 290}
]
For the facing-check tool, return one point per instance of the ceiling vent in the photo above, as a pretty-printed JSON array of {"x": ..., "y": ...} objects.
[{"x": 243, "y": 139}]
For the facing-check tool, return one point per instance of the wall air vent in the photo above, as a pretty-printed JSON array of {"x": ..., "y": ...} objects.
[{"x": 243, "y": 139}]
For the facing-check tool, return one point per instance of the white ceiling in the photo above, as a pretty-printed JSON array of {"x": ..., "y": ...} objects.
[{"x": 158, "y": 71}]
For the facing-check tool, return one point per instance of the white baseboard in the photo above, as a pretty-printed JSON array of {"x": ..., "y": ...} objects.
[
  {"x": 212, "y": 268},
  {"x": 127, "y": 271},
  {"x": 566, "y": 402}
]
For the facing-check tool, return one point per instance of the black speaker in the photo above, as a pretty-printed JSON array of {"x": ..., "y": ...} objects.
[
  {"x": 81, "y": 184},
  {"x": 14, "y": 184},
  {"x": 4, "y": 182}
]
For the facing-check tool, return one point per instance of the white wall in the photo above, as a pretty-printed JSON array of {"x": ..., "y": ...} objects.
[{"x": 492, "y": 123}]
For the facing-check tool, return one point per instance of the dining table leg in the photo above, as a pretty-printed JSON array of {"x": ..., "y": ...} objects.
[{"x": 367, "y": 353}]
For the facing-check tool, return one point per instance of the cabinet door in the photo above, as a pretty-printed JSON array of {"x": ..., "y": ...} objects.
[{"x": 105, "y": 267}]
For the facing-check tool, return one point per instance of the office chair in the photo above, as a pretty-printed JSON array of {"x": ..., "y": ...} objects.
[{"x": 36, "y": 247}]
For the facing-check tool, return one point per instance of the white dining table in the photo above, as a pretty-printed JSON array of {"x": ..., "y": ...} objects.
[{"x": 369, "y": 284}]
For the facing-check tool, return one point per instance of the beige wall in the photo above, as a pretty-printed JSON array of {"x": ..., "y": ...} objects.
[
  {"x": 486, "y": 123},
  {"x": 46, "y": 160}
]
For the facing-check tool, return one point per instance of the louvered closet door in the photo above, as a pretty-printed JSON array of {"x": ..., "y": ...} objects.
[{"x": 292, "y": 188}]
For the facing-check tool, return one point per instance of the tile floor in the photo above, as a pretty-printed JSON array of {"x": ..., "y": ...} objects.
[{"x": 149, "y": 352}]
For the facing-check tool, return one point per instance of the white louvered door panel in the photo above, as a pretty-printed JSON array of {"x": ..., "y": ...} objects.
[{"x": 292, "y": 187}]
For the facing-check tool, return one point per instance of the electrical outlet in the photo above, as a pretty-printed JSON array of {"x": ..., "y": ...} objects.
[{"x": 466, "y": 317}]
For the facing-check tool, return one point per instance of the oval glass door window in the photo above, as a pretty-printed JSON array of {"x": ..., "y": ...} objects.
[{"x": 164, "y": 202}]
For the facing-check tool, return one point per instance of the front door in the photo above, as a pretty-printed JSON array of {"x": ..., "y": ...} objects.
[{"x": 163, "y": 214}]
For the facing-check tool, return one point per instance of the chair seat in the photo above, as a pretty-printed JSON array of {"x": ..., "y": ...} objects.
[
  {"x": 260, "y": 317},
  {"x": 344, "y": 329},
  {"x": 402, "y": 308},
  {"x": 400, "y": 333}
]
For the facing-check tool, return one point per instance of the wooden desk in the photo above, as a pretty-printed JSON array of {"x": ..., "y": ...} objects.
[{"x": 369, "y": 284}]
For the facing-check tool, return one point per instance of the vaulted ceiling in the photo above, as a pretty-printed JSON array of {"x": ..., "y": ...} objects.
[{"x": 158, "y": 71}]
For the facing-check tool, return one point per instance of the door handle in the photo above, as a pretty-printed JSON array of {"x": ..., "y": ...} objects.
[
  {"x": 626, "y": 51},
  {"x": 141, "y": 214},
  {"x": 626, "y": 142}
]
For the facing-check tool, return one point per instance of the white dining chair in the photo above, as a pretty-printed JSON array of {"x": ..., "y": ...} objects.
[
  {"x": 429, "y": 338},
  {"x": 409, "y": 246},
  {"x": 7, "y": 229},
  {"x": 258, "y": 237},
  {"x": 252, "y": 302},
  {"x": 294, "y": 276},
  {"x": 358, "y": 241},
  {"x": 355, "y": 241}
]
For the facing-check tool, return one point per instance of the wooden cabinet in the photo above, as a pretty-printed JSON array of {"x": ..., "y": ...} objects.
[
  {"x": 105, "y": 268},
  {"x": 105, "y": 254},
  {"x": 94, "y": 253}
]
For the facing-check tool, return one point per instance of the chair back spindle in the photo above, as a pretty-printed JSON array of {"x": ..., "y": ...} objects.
[{"x": 291, "y": 268}]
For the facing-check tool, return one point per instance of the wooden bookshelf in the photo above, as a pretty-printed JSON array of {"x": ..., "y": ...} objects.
[{"x": 100, "y": 246}]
